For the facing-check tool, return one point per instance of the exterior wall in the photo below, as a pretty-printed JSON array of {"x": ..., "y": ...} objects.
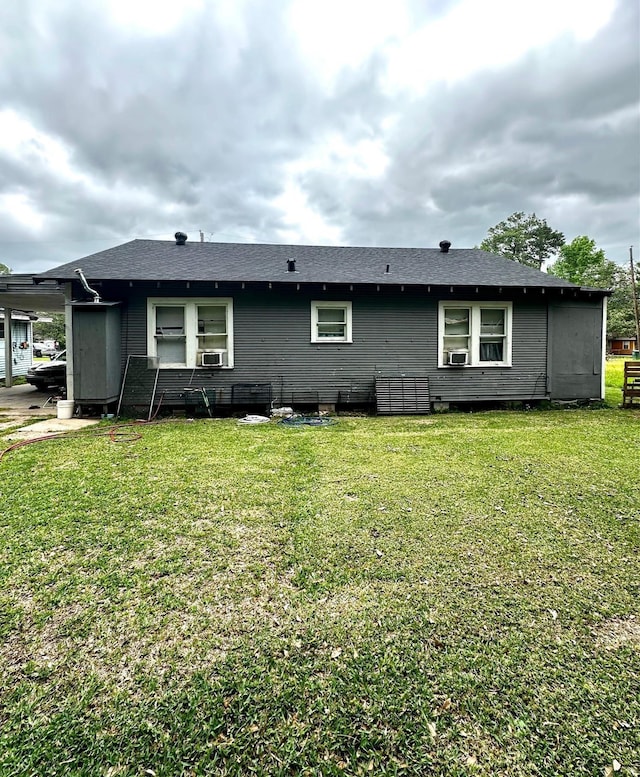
[
  {"x": 22, "y": 357},
  {"x": 394, "y": 333},
  {"x": 617, "y": 346},
  {"x": 96, "y": 346},
  {"x": 576, "y": 354}
]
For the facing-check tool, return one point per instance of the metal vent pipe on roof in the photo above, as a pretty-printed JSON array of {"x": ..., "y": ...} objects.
[
  {"x": 445, "y": 245},
  {"x": 83, "y": 281},
  {"x": 291, "y": 265},
  {"x": 181, "y": 238}
]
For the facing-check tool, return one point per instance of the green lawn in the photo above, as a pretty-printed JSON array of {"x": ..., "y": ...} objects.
[
  {"x": 614, "y": 378},
  {"x": 448, "y": 595}
]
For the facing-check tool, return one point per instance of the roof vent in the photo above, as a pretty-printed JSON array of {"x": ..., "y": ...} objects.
[
  {"x": 181, "y": 238},
  {"x": 83, "y": 281},
  {"x": 291, "y": 265},
  {"x": 445, "y": 245}
]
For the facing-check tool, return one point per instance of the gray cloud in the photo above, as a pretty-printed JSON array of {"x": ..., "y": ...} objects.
[
  {"x": 558, "y": 133},
  {"x": 202, "y": 127}
]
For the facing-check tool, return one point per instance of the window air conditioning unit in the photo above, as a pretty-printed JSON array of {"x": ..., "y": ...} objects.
[
  {"x": 458, "y": 358},
  {"x": 211, "y": 359}
]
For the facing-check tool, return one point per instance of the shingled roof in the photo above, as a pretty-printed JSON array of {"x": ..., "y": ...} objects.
[{"x": 156, "y": 260}]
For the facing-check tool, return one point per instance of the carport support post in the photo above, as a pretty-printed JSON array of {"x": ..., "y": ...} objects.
[{"x": 8, "y": 351}]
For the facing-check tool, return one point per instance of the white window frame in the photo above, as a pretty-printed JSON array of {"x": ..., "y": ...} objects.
[
  {"x": 474, "y": 334},
  {"x": 317, "y": 305},
  {"x": 190, "y": 307}
]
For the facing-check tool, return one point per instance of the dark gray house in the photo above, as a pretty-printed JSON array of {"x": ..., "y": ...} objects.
[{"x": 409, "y": 327}]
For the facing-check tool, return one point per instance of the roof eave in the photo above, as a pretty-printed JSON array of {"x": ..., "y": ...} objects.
[{"x": 382, "y": 282}]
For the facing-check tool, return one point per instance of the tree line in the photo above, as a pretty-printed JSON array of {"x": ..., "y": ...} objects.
[{"x": 527, "y": 239}]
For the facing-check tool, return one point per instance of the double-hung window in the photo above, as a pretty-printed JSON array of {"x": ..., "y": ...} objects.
[
  {"x": 190, "y": 333},
  {"x": 476, "y": 334},
  {"x": 331, "y": 322}
]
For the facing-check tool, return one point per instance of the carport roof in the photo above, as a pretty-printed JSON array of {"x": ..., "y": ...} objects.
[{"x": 21, "y": 292}]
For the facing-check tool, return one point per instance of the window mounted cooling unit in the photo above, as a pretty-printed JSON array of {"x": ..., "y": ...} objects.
[
  {"x": 458, "y": 358},
  {"x": 211, "y": 359}
]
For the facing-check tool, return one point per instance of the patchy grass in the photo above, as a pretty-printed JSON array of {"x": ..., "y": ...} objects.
[
  {"x": 18, "y": 380},
  {"x": 452, "y": 595},
  {"x": 614, "y": 378}
]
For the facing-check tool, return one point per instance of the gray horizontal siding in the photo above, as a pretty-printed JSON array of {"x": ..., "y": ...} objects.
[
  {"x": 394, "y": 333},
  {"x": 525, "y": 379}
]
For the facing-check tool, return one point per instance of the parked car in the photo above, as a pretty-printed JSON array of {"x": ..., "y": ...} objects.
[
  {"x": 52, "y": 373},
  {"x": 48, "y": 348}
]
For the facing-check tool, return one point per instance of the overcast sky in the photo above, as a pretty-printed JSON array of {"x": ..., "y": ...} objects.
[{"x": 355, "y": 122}]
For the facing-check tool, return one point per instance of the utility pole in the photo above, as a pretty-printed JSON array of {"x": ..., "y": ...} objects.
[{"x": 634, "y": 289}]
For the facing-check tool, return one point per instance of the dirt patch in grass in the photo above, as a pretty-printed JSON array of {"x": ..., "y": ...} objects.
[
  {"x": 172, "y": 626},
  {"x": 363, "y": 601},
  {"x": 36, "y": 649},
  {"x": 618, "y": 632}
]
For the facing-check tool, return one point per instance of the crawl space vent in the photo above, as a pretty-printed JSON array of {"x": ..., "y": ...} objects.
[{"x": 403, "y": 396}]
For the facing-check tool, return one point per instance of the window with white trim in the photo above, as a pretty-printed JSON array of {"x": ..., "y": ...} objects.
[
  {"x": 476, "y": 334},
  {"x": 331, "y": 322},
  {"x": 180, "y": 332}
]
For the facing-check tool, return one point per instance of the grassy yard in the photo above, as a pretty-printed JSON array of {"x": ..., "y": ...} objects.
[
  {"x": 614, "y": 378},
  {"x": 447, "y": 595}
]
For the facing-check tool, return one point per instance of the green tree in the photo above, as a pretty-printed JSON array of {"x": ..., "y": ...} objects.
[
  {"x": 621, "y": 320},
  {"x": 525, "y": 239},
  {"x": 50, "y": 330},
  {"x": 4, "y": 270},
  {"x": 582, "y": 263}
]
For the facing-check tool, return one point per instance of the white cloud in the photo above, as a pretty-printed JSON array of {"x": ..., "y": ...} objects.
[
  {"x": 19, "y": 138},
  {"x": 22, "y": 209},
  {"x": 305, "y": 223},
  {"x": 335, "y": 154},
  {"x": 488, "y": 34},
  {"x": 337, "y": 34},
  {"x": 151, "y": 17}
]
